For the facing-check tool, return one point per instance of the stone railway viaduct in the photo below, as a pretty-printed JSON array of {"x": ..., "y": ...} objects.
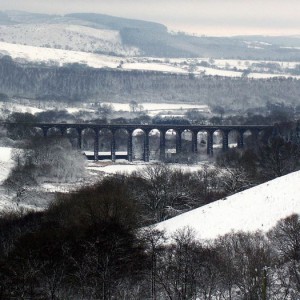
[{"x": 179, "y": 129}]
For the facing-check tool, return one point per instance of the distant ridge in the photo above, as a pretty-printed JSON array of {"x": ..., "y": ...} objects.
[
  {"x": 117, "y": 23},
  {"x": 131, "y": 37}
]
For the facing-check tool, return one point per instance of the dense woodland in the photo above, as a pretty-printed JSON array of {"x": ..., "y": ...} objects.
[{"x": 77, "y": 82}]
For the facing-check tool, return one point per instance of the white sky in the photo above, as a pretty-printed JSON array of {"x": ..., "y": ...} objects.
[{"x": 210, "y": 17}]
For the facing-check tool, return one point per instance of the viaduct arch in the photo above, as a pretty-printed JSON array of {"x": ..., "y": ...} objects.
[{"x": 179, "y": 129}]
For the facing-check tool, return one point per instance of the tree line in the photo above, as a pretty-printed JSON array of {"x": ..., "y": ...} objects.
[{"x": 80, "y": 84}]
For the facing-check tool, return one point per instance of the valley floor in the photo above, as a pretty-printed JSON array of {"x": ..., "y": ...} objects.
[{"x": 39, "y": 197}]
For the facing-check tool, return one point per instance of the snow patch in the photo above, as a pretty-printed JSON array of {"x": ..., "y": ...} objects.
[
  {"x": 127, "y": 168},
  {"x": 6, "y": 162}
]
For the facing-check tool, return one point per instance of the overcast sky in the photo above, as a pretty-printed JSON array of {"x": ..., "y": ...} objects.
[{"x": 210, "y": 17}]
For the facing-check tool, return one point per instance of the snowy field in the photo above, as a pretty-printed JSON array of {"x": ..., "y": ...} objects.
[
  {"x": 58, "y": 56},
  {"x": 160, "y": 106},
  {"x": 266, "y": 76},
  {"x": 258, "y": 208},
  {"x": 222, "y": 63},
  {"x": 218, "y": 72},
  {"x": 119, "y": 167},
  {"x": 159, "y": 67},
  {"x": 123, "y": 167},
  {"x": 152, "y": 109},
  {"x": 52, "y": 56}
]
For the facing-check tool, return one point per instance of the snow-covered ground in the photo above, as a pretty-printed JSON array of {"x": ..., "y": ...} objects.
[
  {"x": 124, "y": 167},
  {"x": 161, "y": 106},
  {"x": 258, "y": 208},
  {"x": 108, "y": 168},
  {"x": 14, "y": 107},
  {"x": 152, "y": 109},
  {"x": 5, "y": 162},
  {"x": 222, "y": 63},
  {"x": 160, "y": 67},
  {"x": 218, "y": 72},
  {"x": 156, "y": 108},
  {"x": 66, "y": 36},
  {"x": 50, "y": 55},
  {"x": 58, "y": 56},
  {"x": 74, "y": 110},
  {"x": 266, "y": 76}
]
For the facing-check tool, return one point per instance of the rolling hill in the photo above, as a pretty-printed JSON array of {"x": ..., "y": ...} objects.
[
  {"x": 258, "y": 208},
  {"x": 98, "y": 33}
]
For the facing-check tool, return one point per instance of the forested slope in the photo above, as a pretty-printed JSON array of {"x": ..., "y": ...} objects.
[{"x": 78, "y": 82}]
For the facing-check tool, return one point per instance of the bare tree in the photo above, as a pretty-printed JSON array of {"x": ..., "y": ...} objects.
[
  {"x": 245, "y": 258},
  {"x": 165, "y": 192},
  {"x": 278, "y": 158},
  {"x": 155, "y": 243},
  {"x": 133, "y": 105},
  {"x": 285, "y": 238}
]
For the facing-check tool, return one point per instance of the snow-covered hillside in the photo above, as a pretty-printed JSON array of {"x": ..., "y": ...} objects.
[
  {"x": 49, "y": 55},
  {"x": 57, "y": 56},
  {"x": 67, "y": 37},
  {"x": 258, "y": 208}
]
